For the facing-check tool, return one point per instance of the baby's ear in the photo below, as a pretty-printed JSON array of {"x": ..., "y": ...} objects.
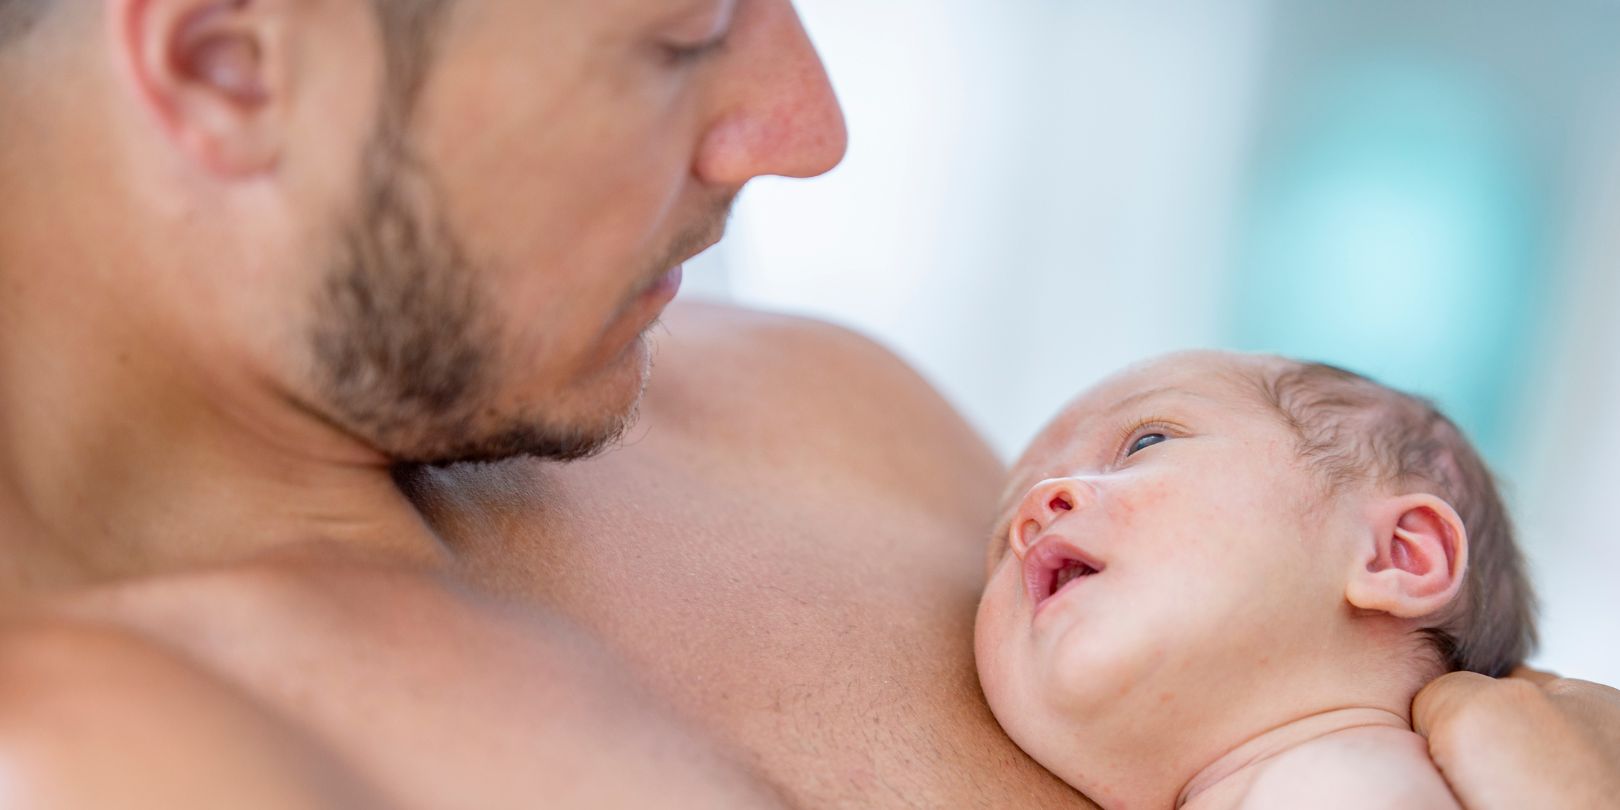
[{"x": 1412, "y": 561}]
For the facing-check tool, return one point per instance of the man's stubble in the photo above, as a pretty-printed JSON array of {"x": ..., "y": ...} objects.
[{"x": 406, "y": 344}]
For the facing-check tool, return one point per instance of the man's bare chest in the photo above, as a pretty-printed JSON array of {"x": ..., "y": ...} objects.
[{"x": 821, "y": 628}]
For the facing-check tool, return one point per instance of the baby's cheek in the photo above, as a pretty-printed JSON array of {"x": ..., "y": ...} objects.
[
  {"x": 993, "y": 639},
  {"x": 1146, "y": 501}
]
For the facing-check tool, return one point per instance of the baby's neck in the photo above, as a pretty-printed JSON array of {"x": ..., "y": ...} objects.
[{"x": 1242, "y": 760}]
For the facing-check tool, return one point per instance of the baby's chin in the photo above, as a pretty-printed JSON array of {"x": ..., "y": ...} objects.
[
  {"x": 1090, "y": 667},
  {"x": 1073, "y": 691}
]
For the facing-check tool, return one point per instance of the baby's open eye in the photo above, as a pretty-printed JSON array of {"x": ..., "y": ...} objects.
[{"x": 1145, "y": 441}]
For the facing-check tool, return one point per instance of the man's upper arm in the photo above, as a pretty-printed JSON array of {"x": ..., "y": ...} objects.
[{"x": 93, "y": 717}]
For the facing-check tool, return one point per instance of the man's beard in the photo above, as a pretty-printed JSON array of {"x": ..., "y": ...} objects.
[{"x": 406, "y": 346}]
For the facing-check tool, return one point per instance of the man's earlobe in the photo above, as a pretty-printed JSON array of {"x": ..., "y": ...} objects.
[
  {"x": 210, "y": 72},
  {"x": 1414, "y": 560}
]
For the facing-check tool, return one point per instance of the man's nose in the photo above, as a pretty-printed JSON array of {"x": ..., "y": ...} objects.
[
  {"x": 777, "y": 114},
  {"x": 1043, "y": 505}
]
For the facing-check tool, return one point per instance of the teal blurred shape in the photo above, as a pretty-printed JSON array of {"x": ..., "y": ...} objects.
[{"x": 1397, "y": 231}]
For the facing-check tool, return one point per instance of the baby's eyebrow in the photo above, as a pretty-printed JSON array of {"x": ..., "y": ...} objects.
[{"x": 1143, "y": 396}]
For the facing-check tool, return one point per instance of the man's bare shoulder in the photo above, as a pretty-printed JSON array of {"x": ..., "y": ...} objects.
[
  {"x": 1370, "y": 767},
  {"x": 802, "y": 391},
  {"x": 723, "y": 362},
  {"x": 94, "y": 716},
  {"x": 426, "y": 690}
]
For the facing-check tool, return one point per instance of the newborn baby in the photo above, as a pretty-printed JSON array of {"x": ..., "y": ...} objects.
[{"x": 1220, "y": 579}]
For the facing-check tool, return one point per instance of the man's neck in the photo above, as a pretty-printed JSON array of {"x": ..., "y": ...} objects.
[{"x": 120, "y": 459}]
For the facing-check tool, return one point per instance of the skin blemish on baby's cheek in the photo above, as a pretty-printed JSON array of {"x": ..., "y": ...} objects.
[{"x": 1124, "y": 510}]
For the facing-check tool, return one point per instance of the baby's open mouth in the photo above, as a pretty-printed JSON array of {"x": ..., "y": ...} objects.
[{"x": 1054, "y": 565}]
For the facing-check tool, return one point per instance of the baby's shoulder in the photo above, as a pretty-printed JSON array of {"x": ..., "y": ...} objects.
[{"x": 1368, "y": 767}]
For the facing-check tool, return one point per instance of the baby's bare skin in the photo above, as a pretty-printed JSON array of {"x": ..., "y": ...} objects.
[
  {"x": 1175, "y": 612},
  {"x": 1352, "y": 758}
]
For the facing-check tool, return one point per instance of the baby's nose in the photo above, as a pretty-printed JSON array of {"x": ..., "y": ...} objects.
[{"x": 1045, "y": 502}]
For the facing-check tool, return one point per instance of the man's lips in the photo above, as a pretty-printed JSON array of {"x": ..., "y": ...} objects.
[
  {"x": 646, "y": 304},
  {"x": 635, "y": 316},
  {"x": 665, "y": 286},
  {"x": 1053, "y": 565}
]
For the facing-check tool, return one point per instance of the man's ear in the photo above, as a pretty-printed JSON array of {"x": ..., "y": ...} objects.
[
  {"x": 1413, "y": 560},
  {"x": 212, "y": 73}
]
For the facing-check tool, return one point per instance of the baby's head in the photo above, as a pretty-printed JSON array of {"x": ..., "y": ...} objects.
[{"x": 1210, "y": 545}]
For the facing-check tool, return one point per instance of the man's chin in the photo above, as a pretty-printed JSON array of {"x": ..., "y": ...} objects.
[
  {"x": 576, "y": 422},
  {"x": 529, "y": 439},
  {"x": 590, "y": 421}
]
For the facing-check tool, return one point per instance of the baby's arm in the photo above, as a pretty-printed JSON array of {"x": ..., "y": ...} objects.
[{"x": 1370, "y": 767}]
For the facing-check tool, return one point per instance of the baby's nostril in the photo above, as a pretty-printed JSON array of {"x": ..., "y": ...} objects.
[
  {"x": 1060, "y": 503},
  {"x": 1027, "y": 532}
]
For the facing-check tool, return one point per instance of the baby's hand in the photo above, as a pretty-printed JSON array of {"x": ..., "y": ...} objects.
[{"x": 1533, "y": 740}]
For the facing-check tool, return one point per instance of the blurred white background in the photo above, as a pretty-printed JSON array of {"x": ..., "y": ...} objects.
[{"x": 1039, "y": 192}]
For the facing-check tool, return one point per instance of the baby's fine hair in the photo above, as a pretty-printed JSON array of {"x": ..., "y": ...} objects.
[{"x": 1353, "y": 430}]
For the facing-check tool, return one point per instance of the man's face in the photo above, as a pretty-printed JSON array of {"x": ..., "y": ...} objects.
[
  {"x": 522, "y": 224},
  {"x": 1158, "y": 544}
]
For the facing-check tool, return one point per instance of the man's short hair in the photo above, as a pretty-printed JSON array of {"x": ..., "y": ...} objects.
[{"x": 1353, "y": 430}]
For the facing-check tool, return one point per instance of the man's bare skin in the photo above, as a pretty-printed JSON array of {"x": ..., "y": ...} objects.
[
  {"x": 97, "y": 717},
  {"x": 376, "y": 665},
  {"x": 256, "y": 255},
  {"x": 794, "y": 572},
  {"x": 831, "y": 690},
  {"x": 789, "y": 548}
]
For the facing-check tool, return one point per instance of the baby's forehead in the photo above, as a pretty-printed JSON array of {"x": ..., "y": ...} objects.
[
  {"x": 1211, "y": 378},
  {"x": 1210, "y": 373}
]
